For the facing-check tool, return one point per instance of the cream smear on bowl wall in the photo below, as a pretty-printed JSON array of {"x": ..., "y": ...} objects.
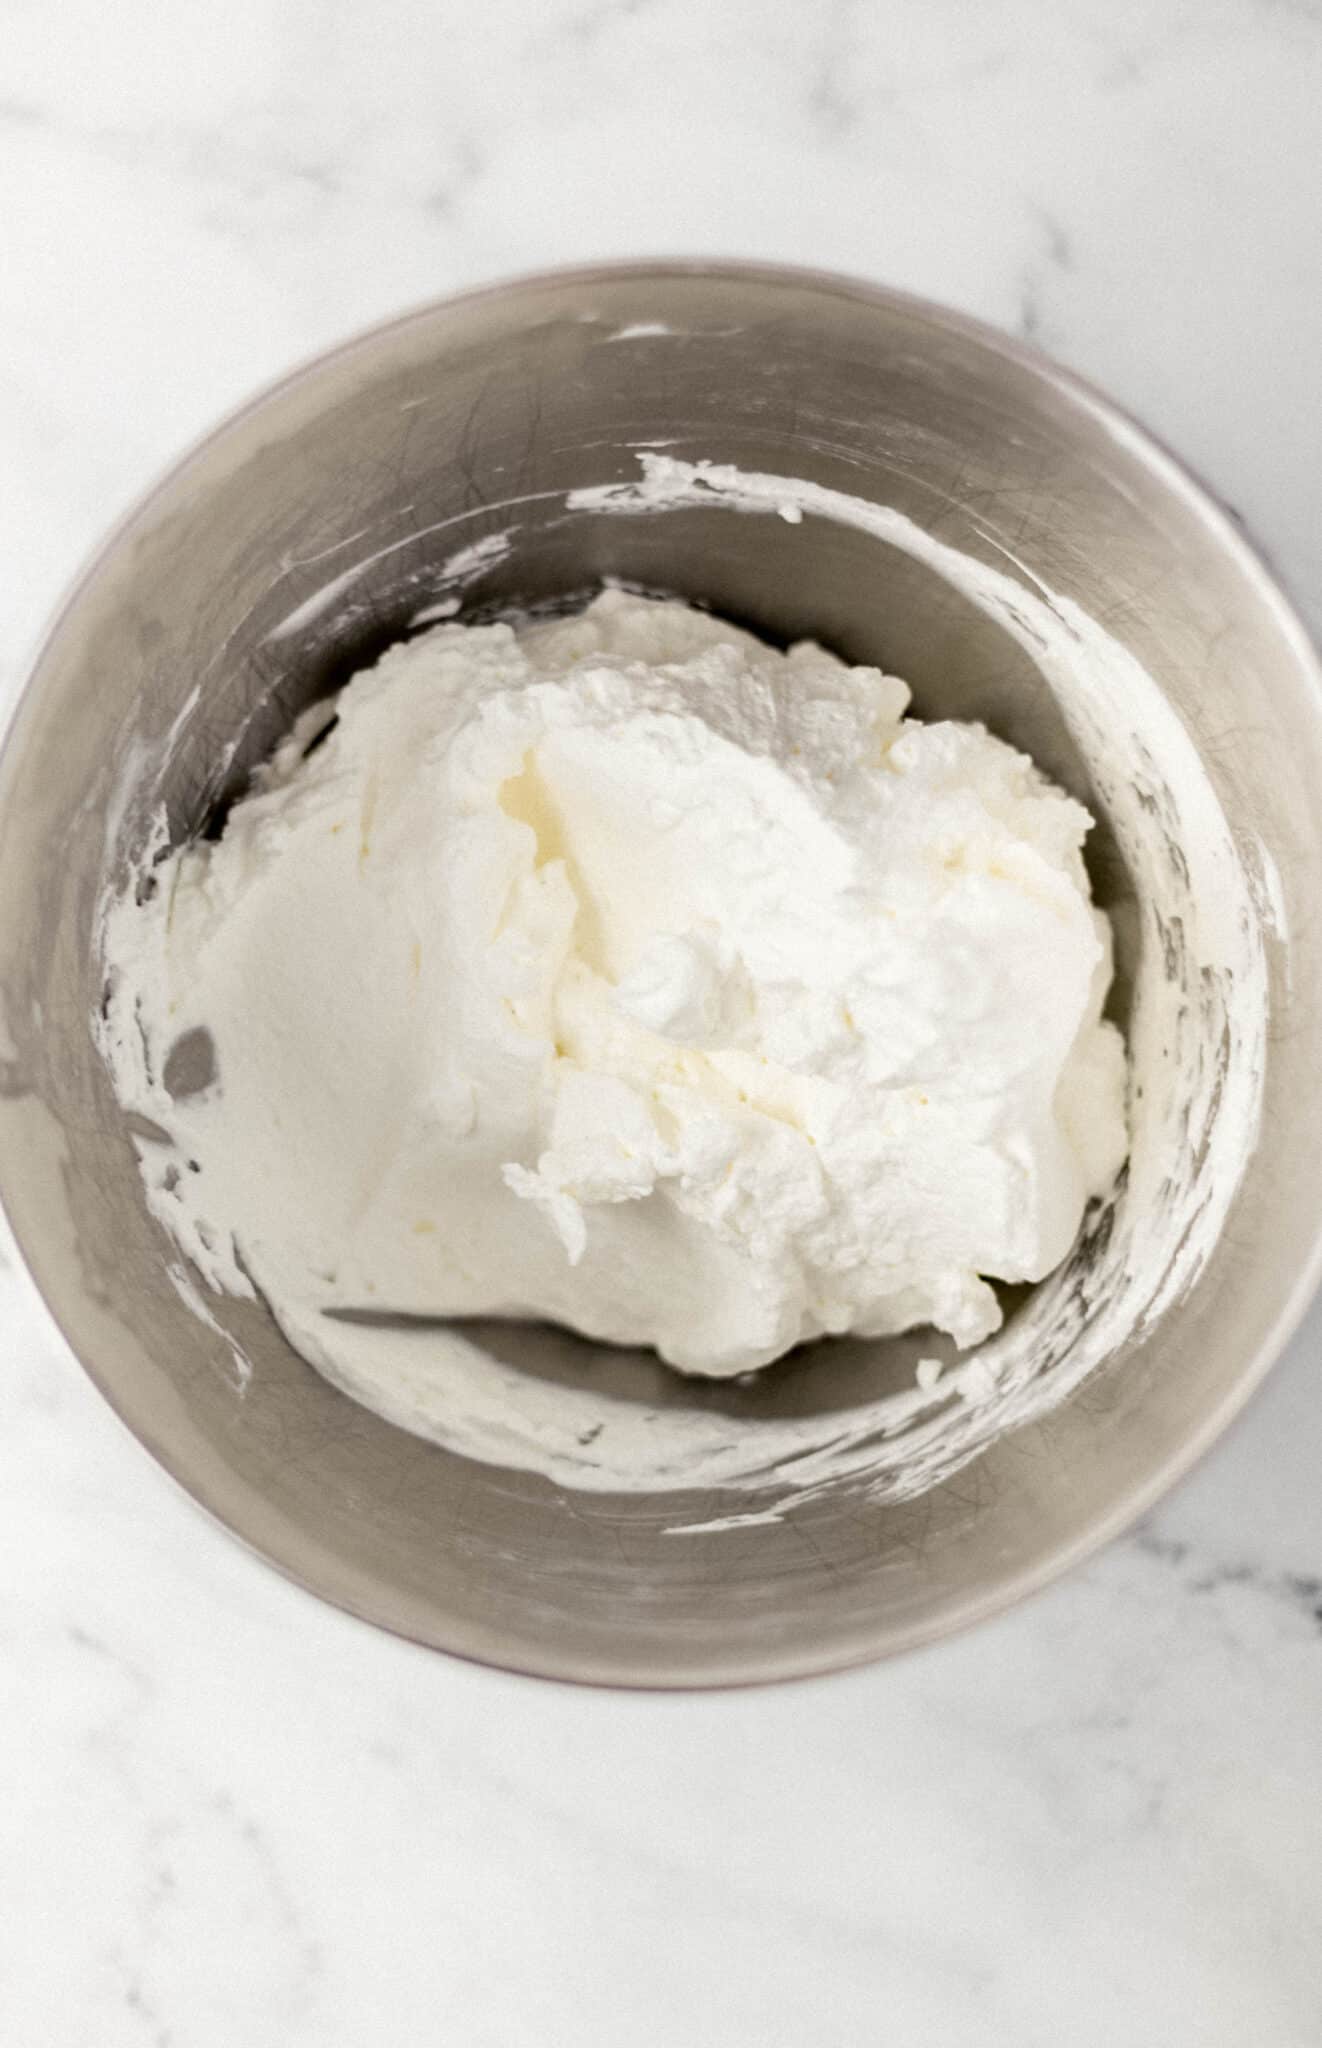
[{"x": 647, "y": 1073}]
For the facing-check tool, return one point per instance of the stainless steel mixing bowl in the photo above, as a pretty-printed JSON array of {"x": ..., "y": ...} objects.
[{"x": 208, "y": 617}]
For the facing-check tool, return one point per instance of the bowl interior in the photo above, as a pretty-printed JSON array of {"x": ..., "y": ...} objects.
[{"x": 309, "y": 533}]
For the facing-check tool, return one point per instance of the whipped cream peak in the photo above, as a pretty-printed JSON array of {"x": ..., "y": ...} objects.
[{"x": 624, "y": 971}]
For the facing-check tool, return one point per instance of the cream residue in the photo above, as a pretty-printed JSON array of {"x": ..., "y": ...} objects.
[
  {"x": 1201, "y": 994},
  {"x": 464, "y": 566}
]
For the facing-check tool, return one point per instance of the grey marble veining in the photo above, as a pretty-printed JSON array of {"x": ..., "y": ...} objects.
[{"x": 230, "y": 1817}]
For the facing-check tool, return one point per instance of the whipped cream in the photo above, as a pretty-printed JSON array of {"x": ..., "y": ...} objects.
[{"x": 624, "y": 972}]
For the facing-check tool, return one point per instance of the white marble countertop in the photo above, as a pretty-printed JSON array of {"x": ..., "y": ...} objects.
[{"x": 230, "y": 1818}]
